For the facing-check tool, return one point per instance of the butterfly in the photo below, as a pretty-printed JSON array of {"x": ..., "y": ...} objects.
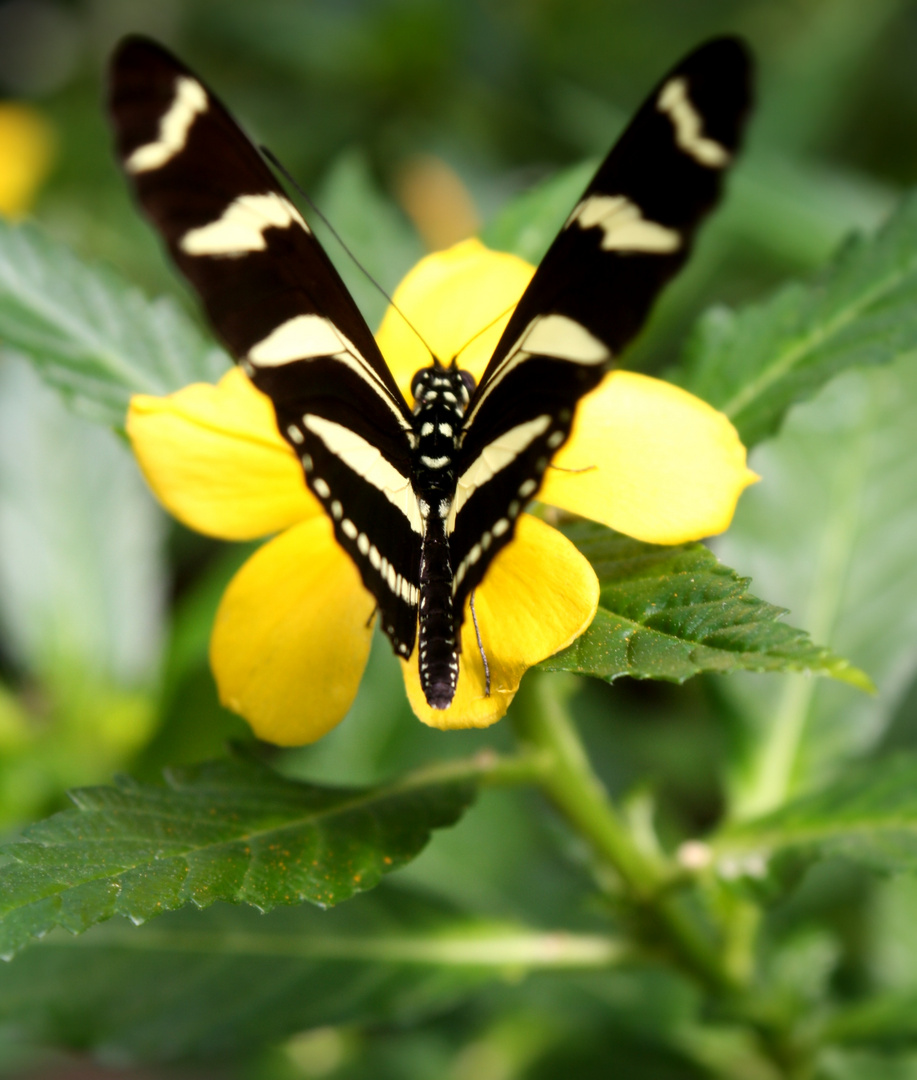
[{"x": 422, "y": 498}]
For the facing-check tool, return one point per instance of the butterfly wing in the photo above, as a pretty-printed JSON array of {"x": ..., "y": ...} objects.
[
  {"x": 277, "y": 302},
  {"x": 631, "y": 230}
]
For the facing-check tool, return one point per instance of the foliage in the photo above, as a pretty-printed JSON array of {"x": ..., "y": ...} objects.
[{"x": 687, "y": 875}]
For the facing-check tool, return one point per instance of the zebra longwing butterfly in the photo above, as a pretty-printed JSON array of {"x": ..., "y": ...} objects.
[{"x": 422, "y": 498}]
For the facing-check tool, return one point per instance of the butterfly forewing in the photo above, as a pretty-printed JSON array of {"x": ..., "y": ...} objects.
[
  {"x": 279, "y": 305},
  {"x": 630, "y": 231},
  {"x": 282, "y": 310}
]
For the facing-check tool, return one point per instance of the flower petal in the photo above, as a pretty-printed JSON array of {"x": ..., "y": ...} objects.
[
  {"x": 658, "y": 463},
  {"x": 26, "y": 150},
  {"x": 451, "y": 296},
  {"x": 539, "y": 594},
  {"x": 215, "y": 459},
  {"x": 292, "y": 636}
]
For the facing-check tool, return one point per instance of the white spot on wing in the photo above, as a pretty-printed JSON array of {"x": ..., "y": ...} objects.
[
  {"x": 623, "y": 225},
  {"x": 242, "y": 225},
  {"x": 367, "y": 461},
  {"x": 189, "y": 101},
  {"x": 674, "y": 101}
]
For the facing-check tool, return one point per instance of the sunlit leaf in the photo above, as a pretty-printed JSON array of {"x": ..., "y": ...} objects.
[
  {"x": 88, "y": 333},
  {"x": 829, "y": 533}
]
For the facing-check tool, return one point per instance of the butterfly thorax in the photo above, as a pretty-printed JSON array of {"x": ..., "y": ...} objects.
[{"x": 441, "y": 396}]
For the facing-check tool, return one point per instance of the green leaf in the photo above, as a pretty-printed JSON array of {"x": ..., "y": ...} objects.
[
  {"x": 829, "y": 533},
  {"x": 88, "y": 333},
  {"x": 230, "y": 980},
  {"x": 756, "y": 363},
  {"x": 82, "y": 574},
  {"x": 882, "y": 1020},
  {"x": 377, "y": 233},
  {"x": 227, "y": 830},
  {"x": 868, "y": 815},
  {"x": 530, "y": 222},
  {"x": 673, "y": 612}
]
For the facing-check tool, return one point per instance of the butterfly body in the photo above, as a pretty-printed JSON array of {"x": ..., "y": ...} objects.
[
  {"x": 422, "y": 499},
  {"x": 441, "y": 395}
]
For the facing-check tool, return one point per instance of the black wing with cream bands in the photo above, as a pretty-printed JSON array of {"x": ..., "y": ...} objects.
[
  {"x": 422, "y": 501},
  {"x": 280, "y": 307},
  {"x": 630, "y": 232}
]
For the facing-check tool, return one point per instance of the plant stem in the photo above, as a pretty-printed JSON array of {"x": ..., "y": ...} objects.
[{"x": 542, "y": 722}]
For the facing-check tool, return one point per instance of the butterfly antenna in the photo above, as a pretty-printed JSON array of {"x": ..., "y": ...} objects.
[
  {"x": 484, "y": 329},
  {"x": 282, "y": 169}
]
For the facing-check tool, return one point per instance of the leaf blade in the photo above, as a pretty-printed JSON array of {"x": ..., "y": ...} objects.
[
  {"x": 867, "y": 815},
  {"x": 673, "y": 612},
  {"x": 862, "y": 310},
  {"x": 230, "y": 831},
  {"x": 92, "y": 336},
  {"x": 228, "y": 980}
]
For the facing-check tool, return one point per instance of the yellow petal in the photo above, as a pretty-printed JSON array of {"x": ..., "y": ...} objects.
[
  {"x": 657, "y": 463},
  {"x": 450, "y": 297},
  {"x": 26, "y": 149},
  {"x": 539, "y": 595},
  {"x": 214, "y": 458},
  {"x": 292, "y": 636}
]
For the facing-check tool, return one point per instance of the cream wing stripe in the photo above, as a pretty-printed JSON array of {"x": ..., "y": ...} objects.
[
  {"x": 189, "y": 101},
  {"x": 242, "y": 225},
  {"x": 309, "y": 337},
  {"x": 623, "y": 225},
  {"x": 546, "y": 335},
  {"x": 674, "y": 101},
  {"x": 368, "y": 462},
  {"x": 301, "y": 338},
  {"x": 495, "y": 456}
]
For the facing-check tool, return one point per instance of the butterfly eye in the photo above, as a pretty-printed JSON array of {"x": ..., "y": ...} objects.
[
  {"x": 468, "y": 380},
  {"x": 419, "y": 381}
]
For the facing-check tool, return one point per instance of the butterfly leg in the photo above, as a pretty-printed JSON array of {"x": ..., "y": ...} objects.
[{"x": 477, "y": 634}]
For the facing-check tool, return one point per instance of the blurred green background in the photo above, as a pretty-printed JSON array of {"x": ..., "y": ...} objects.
[{"x": 105, "y": 606}]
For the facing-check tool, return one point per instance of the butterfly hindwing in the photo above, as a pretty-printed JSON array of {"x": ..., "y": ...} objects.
[
  {"x": 423, "y": 502},
  {"x": 628, "y": 234},
  {"x": 279, "y": 305}
]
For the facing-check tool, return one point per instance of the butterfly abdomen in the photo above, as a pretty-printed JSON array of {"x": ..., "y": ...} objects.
[
  {"x": 441, "y": 396},
  {"x": 437, "y": 636}
]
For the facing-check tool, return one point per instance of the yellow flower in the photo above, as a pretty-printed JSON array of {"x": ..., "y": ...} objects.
[
  {"x": 25, "y": 156},
  {"x": 293, "y": 630}
]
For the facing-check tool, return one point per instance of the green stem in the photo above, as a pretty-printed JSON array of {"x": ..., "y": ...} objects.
[
  {"x": 465, "y": 946},
  {"x": 543, "y": 724}
]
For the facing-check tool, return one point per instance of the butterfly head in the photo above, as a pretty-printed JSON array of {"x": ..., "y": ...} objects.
[{"x": 442, "y": 388}]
